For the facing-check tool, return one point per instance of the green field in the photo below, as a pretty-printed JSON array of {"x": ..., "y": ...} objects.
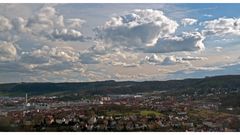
[{"x": 147, "y": 113}]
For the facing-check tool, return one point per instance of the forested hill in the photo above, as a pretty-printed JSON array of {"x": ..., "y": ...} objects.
[{"x": 113, "y": 87}]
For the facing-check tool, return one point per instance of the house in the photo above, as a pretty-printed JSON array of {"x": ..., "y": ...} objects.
[
  {"x": 212, "y": 125},
  {"x": 92, "y": 120},
  {"x": 27, "y": 123},
  {"x": 188, "y": 124},
  {"x": 182, "y": 113},
  {"x": 59, "y": 121},
  {"x": 3, "y": 114}
]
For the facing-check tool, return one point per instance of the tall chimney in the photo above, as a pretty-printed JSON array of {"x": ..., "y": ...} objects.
[{"x": 26, "y": 98}]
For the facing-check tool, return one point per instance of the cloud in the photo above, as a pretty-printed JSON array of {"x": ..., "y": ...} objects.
[
  {"x": 186, "y": 42},
  {"x": 153, "y": 59},
  {"x": 88, "y": 58},
  {"x": 207, "y": 68},
  {"x": 47, "y": 55},
  {"x": 123, "y": 64},
  {"x": 75, "y": 22},
  {"x": 55, "y": 66},
  {"x": 33, "y": 58},
  {"x": 170, "y": 60},
  {"x": 14, "y": 67},
  {"x": 219, "y": 49},
  {"x": 190, "y": 58},
  {"x": 6, "y": 27},
  {"x": 45, "y": 20},
  {"x": 48, "y": 23},
  {"x": 98, "y": 49},
  {"x": 188, "y": 21},
  {"x": 38, "y": 56},
  {"x": 8, "y": 51},
  {"x": 120, "y": 43},
  {"x": 19, "y": 24},
  {"x": 5, "y": 24},
  {"x": 100, "y": 54},
  {"x": 94, "y": 54},
  {"x": 149, "y": 30},
  {"x": 67, "y": 35},
  {"x": 50, "y": 60},
  {"x": 203, "y": 71},
  {"x": 63, "y": 53},
  {"x": 222, "y": 26},
  {"x": 208, "y": 15},
  {"x": 137, "y": 29}
]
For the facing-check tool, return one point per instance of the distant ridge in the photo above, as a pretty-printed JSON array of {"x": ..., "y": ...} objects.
[{"x": 122, "y": 87}]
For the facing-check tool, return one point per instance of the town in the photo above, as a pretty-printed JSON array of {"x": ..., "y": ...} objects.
[{"x": 148, "y": 111}]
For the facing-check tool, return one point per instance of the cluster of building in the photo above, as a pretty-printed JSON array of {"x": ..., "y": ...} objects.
[{"x": 141, "y": 112}]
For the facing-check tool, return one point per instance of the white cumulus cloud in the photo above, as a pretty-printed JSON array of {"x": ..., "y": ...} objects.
[
  {"x": 49, "y": 23},
  {"x": 154, "y": 59},
  {"x": 8, "y": 51},
  {"x": 47, "y": 54},
  {"x": 75, "y": 22},
  {"x": 219, "y": 49},
  {"x": 67, "y": 35},
  {"x": 170, "y": 60},
  {"x": 186, "y": 42},
  {"x": 5, "y": 24},
  {"x": 222, "y": 26},
  {"x": 208, "y": 15},
  {"x": 46, "y": 19},
  {"x": 191, "y": 58},
  {"x": 137, "y": 29},
  {"x": 19, "y": 24},
  {"x": 188, "y": 21}
]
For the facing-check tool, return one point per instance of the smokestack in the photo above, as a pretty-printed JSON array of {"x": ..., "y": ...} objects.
[{"x": 26, "y": 98}]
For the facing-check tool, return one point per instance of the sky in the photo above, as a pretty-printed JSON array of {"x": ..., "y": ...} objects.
[{"x": 96, "y": 42}]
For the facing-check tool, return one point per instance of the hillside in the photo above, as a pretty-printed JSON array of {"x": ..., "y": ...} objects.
[{"x": 113, "y": 87}]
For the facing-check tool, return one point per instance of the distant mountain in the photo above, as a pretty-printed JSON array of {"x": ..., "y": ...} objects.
[{"x": 113, "y": 87}]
